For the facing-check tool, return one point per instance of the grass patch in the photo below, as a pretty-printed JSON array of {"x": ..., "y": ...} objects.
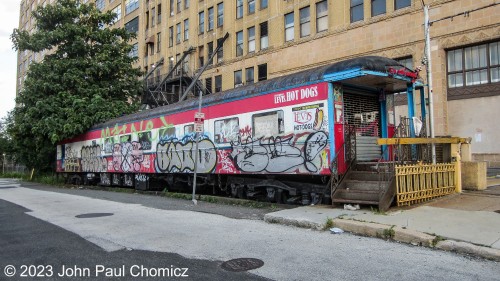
[
  {"x": 328, "y": 224},
  {"x": 389, "y": 232},
  {"x": 436, "y": 240},
  {"x": 376, "y": 211}
]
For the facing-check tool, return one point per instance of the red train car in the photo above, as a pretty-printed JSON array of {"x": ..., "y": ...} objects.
[{"x": 278, "y": 139}]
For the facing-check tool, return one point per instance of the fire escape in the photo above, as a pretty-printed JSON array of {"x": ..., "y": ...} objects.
[{"x": 179, "y": 83}]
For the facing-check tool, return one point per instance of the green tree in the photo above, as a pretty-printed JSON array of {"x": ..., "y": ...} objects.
[{"x": 85, "y": 77}]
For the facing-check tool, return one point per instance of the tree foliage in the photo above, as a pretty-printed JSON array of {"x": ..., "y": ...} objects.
[{"x": 85, "y": 77}]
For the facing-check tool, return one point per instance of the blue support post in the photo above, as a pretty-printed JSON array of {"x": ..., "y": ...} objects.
[
  {"x": 383, "y": 121},
  {"x": 331, "y": 118},
  {"x": 411, "y": 108},
  {"x": 422, "y": 105}
]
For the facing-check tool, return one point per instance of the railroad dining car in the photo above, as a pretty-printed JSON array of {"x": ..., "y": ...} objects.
[{"x": 275, "y": 139}]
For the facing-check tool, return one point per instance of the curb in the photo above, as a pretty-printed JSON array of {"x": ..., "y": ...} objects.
[{"x": 395, "y": 233}]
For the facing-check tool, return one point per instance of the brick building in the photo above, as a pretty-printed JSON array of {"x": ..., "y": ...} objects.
[{"x": 271, "y": 38}]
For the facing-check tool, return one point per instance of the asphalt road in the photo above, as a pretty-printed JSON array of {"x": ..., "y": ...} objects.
[{"x": 42, "y": 227}]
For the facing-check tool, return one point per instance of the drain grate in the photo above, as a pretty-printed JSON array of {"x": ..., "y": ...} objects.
[
  {"x": 93, "y": 215},
  {"x": 242, "y": 264}
]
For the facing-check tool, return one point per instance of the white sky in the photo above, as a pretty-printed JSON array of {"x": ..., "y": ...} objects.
[{"x": 9, "y": 19}]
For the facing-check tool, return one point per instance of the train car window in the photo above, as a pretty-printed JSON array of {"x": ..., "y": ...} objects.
[
  {"x": 268, "y": 124},
  {"x": 145, "y": 140},
  {"x": 108, "y": 145},
  {"x": 188, "y": 129},
  {"x": 167, "y": 133},
  {"x": 226, "y": 130},
  {"x": 125, "y": 138}
]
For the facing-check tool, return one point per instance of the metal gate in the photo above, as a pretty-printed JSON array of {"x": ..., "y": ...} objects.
[{"x": 363, "y": 111}]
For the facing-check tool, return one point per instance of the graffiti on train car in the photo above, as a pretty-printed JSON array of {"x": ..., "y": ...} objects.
[
  {"x": 92, "y": 161},
  {"x": 71, "y": 161},
  {"x": 129, "y": 157},
  {"x": 176, "y": 155},
  {"x": 141, "y": 128},
  {"x": 279, "y": 154}
]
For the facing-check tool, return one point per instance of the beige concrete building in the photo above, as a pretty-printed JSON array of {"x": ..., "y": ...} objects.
[{"x": 271, "y": 38}]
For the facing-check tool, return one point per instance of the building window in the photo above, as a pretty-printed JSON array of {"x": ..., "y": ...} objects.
[
  {"x": 239, "y": 43},
  {"x": 305, "y": 22},
  {"x": 251, "y": 6},
  {"x": 158, "y": 42},
  {"x": 134, "y": 52},
  {"x": 262, "y": 72},
  {"x": 201, "y": 22},
  {"x": 171, "y": 7},
  {"x": 151, "y": 49},
  {"x": 118, "y": 13},
  {"x": 201, "y": 54},
  {"x": 238, "y": 81},
  {"x": 474, "y": 65},
  {"x": 159, "y": 14},
  {"x": 220, "y": 14},
  {"x": 210, "y": 18},
  {"x": 186, "y": 29},
  {"x": 210, "y": 49},
  {"x": 249, "y": 75},
  {"x": 186, "y": 4},
  {"x": 153, "y": 14},
  {"x": 133, "y": 25},
  {"x": 220, "y": 52},
  {"x": 208, "y": 85},
  {"x": 263, "y": 4},
  {"x": 321, "y": 16},
  {"x": 399, "y": 4},
  {"x": 356, "y": 10},
  {"x": 239, "y": 9},
  {"x": 178, "y": 33},
  {"x": 171, "y": 36},
  {"x": 378, "y": 7},
  {"x": 179, "y": 6},
  {"x": 100, "y": 4},
  {"x": 251, "y": 39},
  {"x": 289, "y": 31},
  {"x": 218, "y": 83},
  {"x": 264, "y": 38},
  {"x": 131, "y": 5}
]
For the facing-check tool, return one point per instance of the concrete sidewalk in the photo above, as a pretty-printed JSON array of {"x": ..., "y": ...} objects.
[{"x": 467, "y": 223}]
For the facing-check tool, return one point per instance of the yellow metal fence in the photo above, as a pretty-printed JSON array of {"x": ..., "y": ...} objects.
[{"x": 422, "y": 182}]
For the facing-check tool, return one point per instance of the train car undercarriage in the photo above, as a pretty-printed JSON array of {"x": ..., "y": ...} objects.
[{"x": 281, "y": 189}]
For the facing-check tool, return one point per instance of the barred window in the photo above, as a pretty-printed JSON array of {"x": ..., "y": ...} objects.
[{"x": 474, "y": 65}]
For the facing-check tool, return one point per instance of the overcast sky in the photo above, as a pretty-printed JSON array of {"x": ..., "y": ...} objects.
[{"x": 9, "y": 19}]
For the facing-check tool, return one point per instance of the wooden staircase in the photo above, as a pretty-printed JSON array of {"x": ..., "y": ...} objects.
[{"x": 366, "y": 184}]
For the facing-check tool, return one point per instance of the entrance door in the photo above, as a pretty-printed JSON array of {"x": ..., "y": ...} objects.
[{"x": 363, "y": 111}]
